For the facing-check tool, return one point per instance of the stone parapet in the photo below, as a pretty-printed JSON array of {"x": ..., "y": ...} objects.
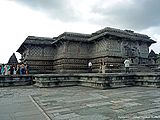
[
  {"x": 101, "y": 81},
  {"x": 147, "y": 79},
  {"x": 15, "y": 80}
]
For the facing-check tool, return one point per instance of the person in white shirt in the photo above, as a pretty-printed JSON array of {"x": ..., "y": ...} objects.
[
  {"x": 90, "y": 66},
  {"x": 127, "y": 63}
]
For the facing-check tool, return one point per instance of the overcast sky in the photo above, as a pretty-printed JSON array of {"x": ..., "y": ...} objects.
[{"x": 49, "y": 18}]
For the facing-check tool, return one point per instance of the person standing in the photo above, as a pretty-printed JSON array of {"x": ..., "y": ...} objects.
[
  {"x": 11, "y": 70},
  {"x": 2, "y": 69},
  {"x": 27, "y": 69},
  {"x": 90, "y": 66},
  {"x": 22, "y": 69},
  {"x": 8, "y": 69},
  {"x": 18, "y": 69},
  {"x": 5, "y": 70},
  {"x": 127, "y": 63}
]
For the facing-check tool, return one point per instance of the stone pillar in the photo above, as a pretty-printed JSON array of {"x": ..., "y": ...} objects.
[{"x": 103, "y": 68}]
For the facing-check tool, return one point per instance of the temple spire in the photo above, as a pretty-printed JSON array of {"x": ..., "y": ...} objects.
[{"x": 12, "y": 59}]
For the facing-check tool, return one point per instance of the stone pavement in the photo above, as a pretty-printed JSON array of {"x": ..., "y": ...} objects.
[
  {"x": 15, "y": 104},
  {"x": 79, "y": 103}
]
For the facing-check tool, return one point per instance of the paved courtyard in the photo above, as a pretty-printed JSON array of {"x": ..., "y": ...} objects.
[{"x": 79, "y": 103}]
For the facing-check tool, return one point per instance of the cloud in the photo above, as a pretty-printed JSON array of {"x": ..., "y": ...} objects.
[
  {"x": 134, "y": 14},
  {"x": 56, "y": 9},
  {"x": 128, "y": 14}
]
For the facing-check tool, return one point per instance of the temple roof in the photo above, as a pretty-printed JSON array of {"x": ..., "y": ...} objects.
[
  {"x": 33, "y": 40},
  {"x": 12, "y": 60},
  {"x": 38, "y": 40},
  {"x": 71, "y": 36},
  {"x": 128, "y": 34},
  {"x": 79, "y": 37}
]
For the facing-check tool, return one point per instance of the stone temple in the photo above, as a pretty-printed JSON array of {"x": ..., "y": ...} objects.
[{"x": 70, "y": 52}]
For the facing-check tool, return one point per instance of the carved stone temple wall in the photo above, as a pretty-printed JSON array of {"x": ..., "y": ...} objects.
[
  {"x": 38, "y": 53},
  {"x": 71, "y": 52}
]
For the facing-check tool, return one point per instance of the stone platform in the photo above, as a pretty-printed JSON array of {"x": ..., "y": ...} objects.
[
  {"x": 15, "y": 80},
  {"x": 95, "y": 80},
  {"x": 99, "y": 80}
]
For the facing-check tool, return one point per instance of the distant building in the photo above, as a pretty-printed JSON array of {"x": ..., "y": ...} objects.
[
  {"x": 12, "y": 60},
  {"x": 70, "y": 52}
]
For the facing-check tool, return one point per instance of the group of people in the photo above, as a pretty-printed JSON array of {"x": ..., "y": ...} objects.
[
  {"x": 19, "y": 69},
  {"x": 127, "y": 63}
]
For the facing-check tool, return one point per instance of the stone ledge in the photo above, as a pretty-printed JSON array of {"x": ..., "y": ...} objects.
[
  {"x": 15, "y": 80},
  {"x": 99, "y": 80}
]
